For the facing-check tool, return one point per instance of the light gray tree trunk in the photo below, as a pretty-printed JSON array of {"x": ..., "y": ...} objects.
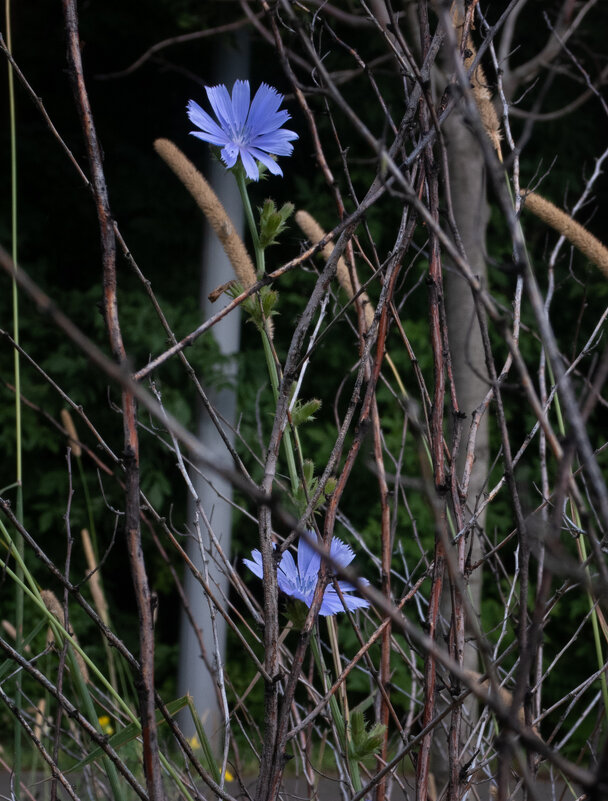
[{"x": 471, "y": 213}]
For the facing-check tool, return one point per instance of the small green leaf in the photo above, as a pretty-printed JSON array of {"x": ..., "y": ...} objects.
[
  {"x": 330, "y": 486},
  {"x": 364, "y": 742},
  {"x": 304, "y": 411},
  {"x": 269, "y": 300},
  {"x": 273, "y": 221},
  {"x": 261, "y": 306},
  {"x": 308, "y": 470}
]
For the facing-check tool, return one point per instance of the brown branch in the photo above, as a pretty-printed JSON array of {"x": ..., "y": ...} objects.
[{"x": 145, "y": 686}]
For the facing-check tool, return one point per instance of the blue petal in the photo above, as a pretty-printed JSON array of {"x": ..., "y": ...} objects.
[
  {"x": 346, "y": 586},
  {"x": 309, "y": 560},
  {"x": 341, "y": 553},
  {"x": 221, "y": 104},
  {"x": 270, "y": 124},
  {"x": 287, "y": 574},
  {"x": 263, "y": 112},
  {"x": 203, "y": 121},
  {"x": 276, "y": 142},
  {"x": 213, "y": 140},
  {"x": 240, "y": 104},
  {"x": 305, "y": 597},
  {"x": 354, "y": 602},
  {"x": 332, "y": 603},
  {"x": 230, "y": 154},
  {"x": 251, "y": 168},
  {"x": 267, "y": 160},
  {"x": 255, "y": 563}
]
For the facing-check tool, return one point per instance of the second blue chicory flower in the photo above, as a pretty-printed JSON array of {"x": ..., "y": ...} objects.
[{"x": 299, "y": 580}]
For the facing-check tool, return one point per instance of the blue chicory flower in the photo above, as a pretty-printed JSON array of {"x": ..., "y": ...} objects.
[
  {"x": 300, "y": 580},
  {"x": 251, "y": 131}
]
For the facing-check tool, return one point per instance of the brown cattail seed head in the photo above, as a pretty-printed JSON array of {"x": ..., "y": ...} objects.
[
  {"x": 574, "y": 232},
  {"x": 210, "y": 205},
  {"x": 68, "y": 424}
]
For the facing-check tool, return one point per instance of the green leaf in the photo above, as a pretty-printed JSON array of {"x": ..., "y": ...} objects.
[
  {"x": 261, "y": 306},
  {"x": 304, "y": 411},
  {"x": 364, "y": 742},
  {"x": 273, "y": 221},
  {"x": 130, "y": 732},
  {"x": 209, "y": 761}
]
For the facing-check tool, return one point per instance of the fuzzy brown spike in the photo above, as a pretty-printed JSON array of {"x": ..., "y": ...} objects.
[
  {"x": 99, "y": 598},
  {"x": 51, "y": 602},
  {"x": 479, "y": 87},
  {"x": 68, "y": 424},
  {"x": 574, "y": 232},
  {"x": 315, "y": 233},
  {"x": 39, "y": 718},
  {"x": 210, "y": 205}
]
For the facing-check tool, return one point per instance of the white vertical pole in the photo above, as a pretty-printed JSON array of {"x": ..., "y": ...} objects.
[{"x": 194, "y": 677}]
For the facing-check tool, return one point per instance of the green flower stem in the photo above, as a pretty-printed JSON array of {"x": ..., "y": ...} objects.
[
  {"x": 333, "y": 704},
  {"x": 340, "y": 723},
  {"x": 332, "y": 631},
  {"x": 271, "y": 363},
  {"x": 239, "y": 174}
]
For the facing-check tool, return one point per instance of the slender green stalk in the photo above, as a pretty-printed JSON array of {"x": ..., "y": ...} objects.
[
  {"x": 582, "y": 549},
  {"x": 87, "y": 703},
  {"x": 595, "y": 626},
  {"x": 17, "y": 381},
  {"x": 239, "y": 174},
  {"x": 342, "y": 727},
  {"x": 270, "y": 360}
]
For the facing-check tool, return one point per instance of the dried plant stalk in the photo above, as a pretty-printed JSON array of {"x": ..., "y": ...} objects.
[{"x": 39, "y": 718}]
